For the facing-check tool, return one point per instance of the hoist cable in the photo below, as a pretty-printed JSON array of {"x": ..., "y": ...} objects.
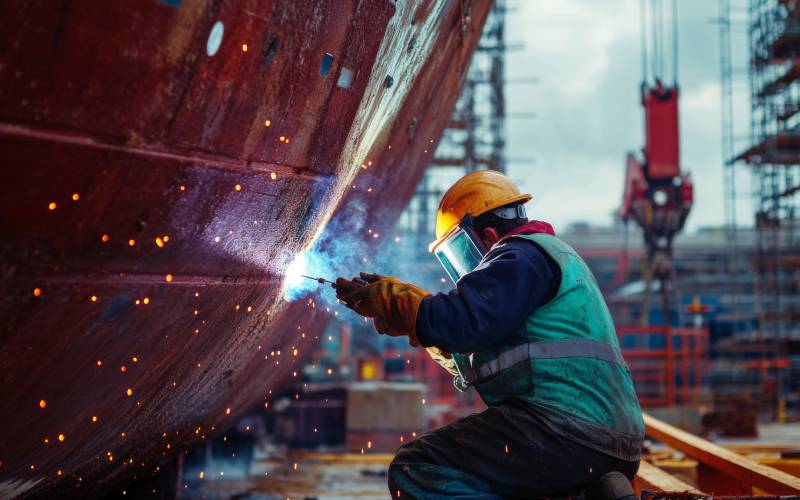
[{"x": 675, "y": 42}]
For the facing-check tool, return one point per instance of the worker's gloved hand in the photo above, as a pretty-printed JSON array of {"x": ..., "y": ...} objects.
[
  {"x": 391, "y": 303},
  {"x": 344, "y": 286}
]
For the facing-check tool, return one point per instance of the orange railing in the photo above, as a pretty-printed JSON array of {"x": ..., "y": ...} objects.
[{"x": 669, "y": 365}]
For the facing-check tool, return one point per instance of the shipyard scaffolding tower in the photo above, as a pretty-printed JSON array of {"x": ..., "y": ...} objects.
[
  {"x": 475, "y": 135},
  {"x": 769, "y": 350}
]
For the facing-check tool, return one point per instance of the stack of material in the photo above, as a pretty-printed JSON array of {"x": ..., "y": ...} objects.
[{"x": 383, "y": 415}]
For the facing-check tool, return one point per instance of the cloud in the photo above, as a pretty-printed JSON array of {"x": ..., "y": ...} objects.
[{"x": 586, "y": 56}]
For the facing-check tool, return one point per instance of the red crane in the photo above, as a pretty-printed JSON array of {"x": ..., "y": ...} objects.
[{"x": 658, "y": 195}]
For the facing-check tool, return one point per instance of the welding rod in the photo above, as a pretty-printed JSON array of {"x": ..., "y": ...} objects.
[{"x": 322, "y": 281}]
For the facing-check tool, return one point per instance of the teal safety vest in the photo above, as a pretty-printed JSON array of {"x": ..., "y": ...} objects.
[{"x": 565, "y": 359}]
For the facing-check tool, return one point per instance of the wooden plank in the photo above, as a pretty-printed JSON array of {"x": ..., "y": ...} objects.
[
  {"x": 358, "y": 458},
  {"x": 652, "y": 478},
  {"x": 761, "y": 476},
  {"x": 787, "y": 465}
]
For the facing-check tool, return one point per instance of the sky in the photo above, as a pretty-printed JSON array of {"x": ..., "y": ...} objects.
[{"x": 586, "y": 57}]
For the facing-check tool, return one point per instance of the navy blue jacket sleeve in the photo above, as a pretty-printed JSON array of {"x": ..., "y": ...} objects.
[{"x": 492, "y": 302}]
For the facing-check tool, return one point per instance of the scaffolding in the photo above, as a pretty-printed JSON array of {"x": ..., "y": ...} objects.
[
  {"x": 771, "y": 156},
  {"x": 475, "y": 137},
  {"x": 774, "y": 157},
  {"x": 736, "y": 136}
]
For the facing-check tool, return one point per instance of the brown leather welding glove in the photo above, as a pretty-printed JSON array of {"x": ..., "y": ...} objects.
[{"x": 391, "y": 303}]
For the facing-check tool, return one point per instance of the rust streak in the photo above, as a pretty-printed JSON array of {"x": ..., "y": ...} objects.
[
  {"x": 153, "y": 279},
  {"x": 195, "y": 157}
]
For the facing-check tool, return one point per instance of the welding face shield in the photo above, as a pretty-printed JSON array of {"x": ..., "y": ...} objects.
[{"x": 461, "y": 251}]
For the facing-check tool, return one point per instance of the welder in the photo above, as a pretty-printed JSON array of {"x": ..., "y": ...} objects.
[{"x": 525, "y": 325}]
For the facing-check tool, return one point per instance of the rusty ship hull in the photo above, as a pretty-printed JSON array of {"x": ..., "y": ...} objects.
[{"x": 162, "y": 164}]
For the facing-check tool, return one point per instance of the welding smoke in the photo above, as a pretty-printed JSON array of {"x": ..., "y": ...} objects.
[
  {"x": 334, "y": 253},
  {"x": 346, "y": 246}
]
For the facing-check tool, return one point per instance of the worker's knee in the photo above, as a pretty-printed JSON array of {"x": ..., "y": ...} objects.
[
  {"x": 409, "y": 452},
  {"x": 398, "y": 469},
  {"x": 394, "y": 479},
  {"x": 398, "y": 473}
]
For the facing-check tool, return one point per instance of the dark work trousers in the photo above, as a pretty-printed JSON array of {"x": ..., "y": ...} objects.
[{"x": 503, "y": 452}]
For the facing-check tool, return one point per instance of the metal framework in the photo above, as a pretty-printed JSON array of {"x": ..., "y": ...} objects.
[
  {"x": 475, "y": 137},
  {"x": 735, "y": 135},
  {"x": 774, "y": 157},
  {"x": 770, "y": 151},
  {"x": 669, "y": 365}
]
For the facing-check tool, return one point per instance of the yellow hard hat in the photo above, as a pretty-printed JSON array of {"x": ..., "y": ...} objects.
[{"x": 475, "y": 193}]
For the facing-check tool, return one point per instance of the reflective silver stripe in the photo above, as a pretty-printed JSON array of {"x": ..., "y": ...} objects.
[
  {"x": 464, "y": 366},
  {"x": 578, "y": 348}
]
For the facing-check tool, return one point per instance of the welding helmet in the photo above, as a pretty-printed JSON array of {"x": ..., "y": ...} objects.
[{"x": 458, "y": 245}]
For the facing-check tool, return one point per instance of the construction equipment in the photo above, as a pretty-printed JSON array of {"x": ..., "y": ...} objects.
[{"x": 658, "y": 195}]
